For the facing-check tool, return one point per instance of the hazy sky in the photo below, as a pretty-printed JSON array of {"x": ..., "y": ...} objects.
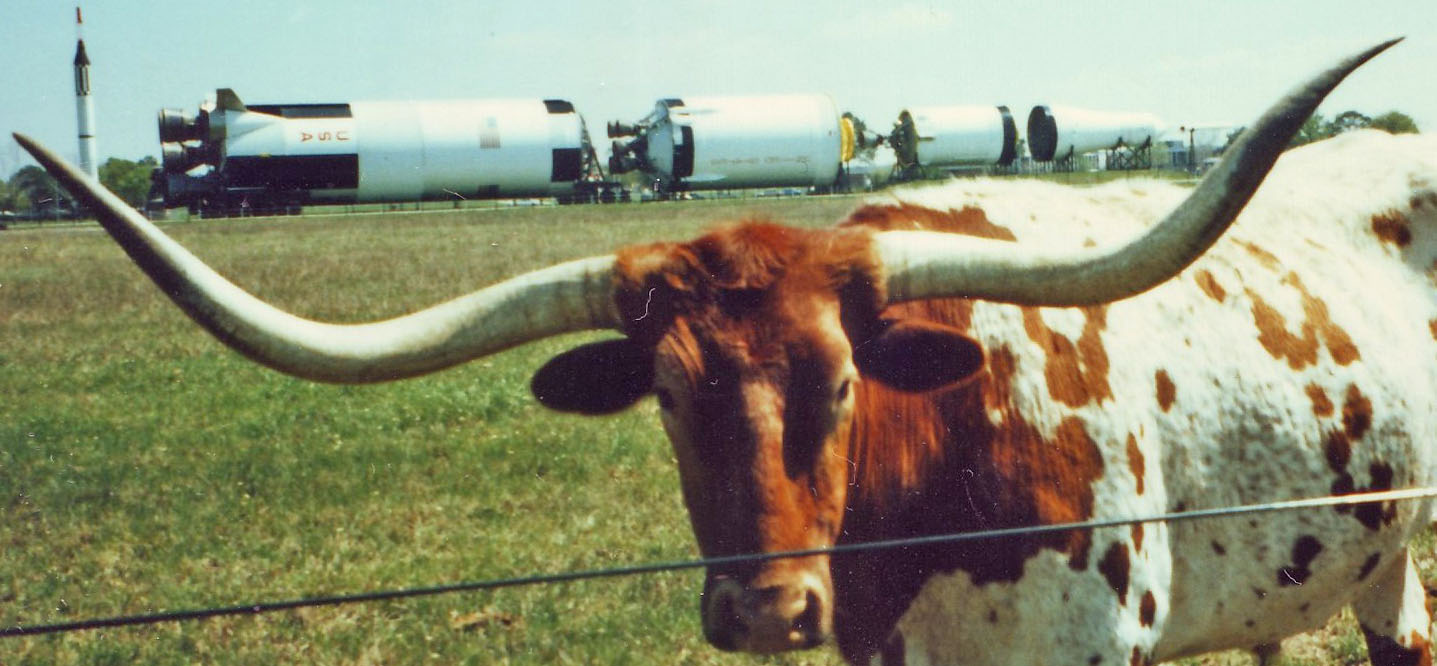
[{"x": 1189, "y": 62}]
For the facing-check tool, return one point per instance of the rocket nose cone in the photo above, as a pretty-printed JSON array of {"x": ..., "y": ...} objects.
[{"x": 80, "y": 57}]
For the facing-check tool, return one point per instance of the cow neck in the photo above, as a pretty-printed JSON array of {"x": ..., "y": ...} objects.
[
  {"x": 910, "y": 477},
  {"x": 955, "y": 460}
]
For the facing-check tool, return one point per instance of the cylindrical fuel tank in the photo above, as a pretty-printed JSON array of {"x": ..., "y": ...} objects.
[
  {"x": 737, "y": 142},
  {"x": 373, "y": 151},
  {"x": 1055, "y": 132},
  {"x": 953, "y": 135},
  {"x": 405, "y": 151}
]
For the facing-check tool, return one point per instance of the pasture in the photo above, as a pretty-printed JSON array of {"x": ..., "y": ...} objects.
[{"x": 146, "y": 468}]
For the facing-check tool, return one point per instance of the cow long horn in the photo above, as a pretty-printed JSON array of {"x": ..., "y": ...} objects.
[
  {"x": 921, "y": 264},
  {"x": 572, "y": 296}
]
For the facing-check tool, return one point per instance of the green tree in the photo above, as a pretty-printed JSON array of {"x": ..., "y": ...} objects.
[
  {"x": 1348, "y": 121},
  {"x": 9, "y": 197},
  {"x": 1315, "y": 129},
  {"x": 37, "y": 190},
  {"x": 129, "y": 180},
  {"x": 1395, "y": 122}
]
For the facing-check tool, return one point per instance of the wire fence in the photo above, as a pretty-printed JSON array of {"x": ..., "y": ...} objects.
[{"x": 1409, "y": 494}]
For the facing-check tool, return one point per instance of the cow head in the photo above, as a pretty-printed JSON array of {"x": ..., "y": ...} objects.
[{"x": 754, "y": 339}]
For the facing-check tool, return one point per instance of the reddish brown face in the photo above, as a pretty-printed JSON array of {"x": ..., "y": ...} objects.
[
  {"x": 747, "y": 339},
  {"x": 758, "y": 409}
]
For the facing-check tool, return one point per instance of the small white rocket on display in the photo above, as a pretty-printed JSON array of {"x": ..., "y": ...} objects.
[{"x": 84, "y": 104}]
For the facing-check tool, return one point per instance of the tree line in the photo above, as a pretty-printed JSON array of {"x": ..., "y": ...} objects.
[
  {"x": 1318, "y": 128},
  {"x": 30, "y": 190}
]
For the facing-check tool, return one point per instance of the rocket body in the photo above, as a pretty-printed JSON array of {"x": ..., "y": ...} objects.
[{"x": 85, "y": 112}]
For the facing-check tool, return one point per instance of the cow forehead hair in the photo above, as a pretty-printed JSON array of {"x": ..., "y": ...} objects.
[
  {"x": 749, "y": 271},
  {"x": 807, "y": 346}
]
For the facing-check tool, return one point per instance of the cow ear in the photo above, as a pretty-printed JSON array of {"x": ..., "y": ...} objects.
[
  {"x": 597, "y": 378},
  {"x": 915, "y": 355}
]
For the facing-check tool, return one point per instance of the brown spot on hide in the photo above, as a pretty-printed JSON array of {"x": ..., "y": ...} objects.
[
  {"x": 1433, "y": 325},
  {"x": 1167, "y": 392},
  {"x": 1356, "y": 413},
  {"x": 969, "y": 221},
  {"x": 1392, "y": 227},
  {"x": 1054, "y": 478},
  {"x": 1137, "y": 531},
  {"x": 1300, "y": 350},
  {"x": 1373, "y": 515},
  {"x": 1115, "y": 567},
  {"x": 1210, "y": 286},
  {"x": 1343, "y": 485},
  {"x": 1339, "y": 343},
  {"x": 1076, "y": 373},
  {"x": 1135, "y": 462},
  {"x": 1384, "y": 650},
  {"x": 1304, "y": 551},
  {"x": 1147, "y": 609},
  {"x": 1217, "y": 548},
  {"x": 1137, "y": 659},
  {"x": 1321, "y": 404},
  {"x": 1339, "y": 451},
  {"x": 1267, "y": 259}
]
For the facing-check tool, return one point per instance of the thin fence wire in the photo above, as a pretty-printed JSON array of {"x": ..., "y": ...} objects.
[{"x": 1408, "y": 494}]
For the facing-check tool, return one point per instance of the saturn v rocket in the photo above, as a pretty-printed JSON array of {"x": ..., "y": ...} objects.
[{"x": 84, "y": 106}]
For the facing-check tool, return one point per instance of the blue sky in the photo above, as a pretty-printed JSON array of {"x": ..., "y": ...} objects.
[{"x": 1189, "y": 62}]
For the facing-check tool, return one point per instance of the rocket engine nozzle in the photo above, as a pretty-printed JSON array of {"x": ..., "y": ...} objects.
[
  {"x": 617, "y": 130},
  {"x": 178, "y": 125},
  {"x": 181, "y": 157}
]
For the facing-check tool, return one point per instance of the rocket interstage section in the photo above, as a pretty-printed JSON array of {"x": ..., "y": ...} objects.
[
  {"x": 736, "y": 142},
  {"x": 1057, "y": 132},
  {"x": 938, "y": 136}
]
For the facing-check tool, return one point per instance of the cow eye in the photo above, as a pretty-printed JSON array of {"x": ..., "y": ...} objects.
[
  {"x": 842, "y": 393},
  {"x": 666, "y": 399}
]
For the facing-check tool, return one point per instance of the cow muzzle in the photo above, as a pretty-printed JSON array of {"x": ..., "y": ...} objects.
[{"x": 769, "y": 614}]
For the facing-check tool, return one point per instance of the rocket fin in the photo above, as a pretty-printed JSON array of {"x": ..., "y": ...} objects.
[{"x": 226, "y": 99}]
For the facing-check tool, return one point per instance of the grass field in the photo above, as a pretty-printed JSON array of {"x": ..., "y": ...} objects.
[{"x": 145, "y": 468}]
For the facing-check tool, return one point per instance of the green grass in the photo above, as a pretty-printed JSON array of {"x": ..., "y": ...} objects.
[{"x": 144, "y": 467}]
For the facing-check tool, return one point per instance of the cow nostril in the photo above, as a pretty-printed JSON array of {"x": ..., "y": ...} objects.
[
  {"x": 722, "y": 625},
  {"x": 808, "y": 624}
]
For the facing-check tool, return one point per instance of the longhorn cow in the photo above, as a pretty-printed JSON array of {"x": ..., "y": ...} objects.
[{"x": 995, "y": 354}]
